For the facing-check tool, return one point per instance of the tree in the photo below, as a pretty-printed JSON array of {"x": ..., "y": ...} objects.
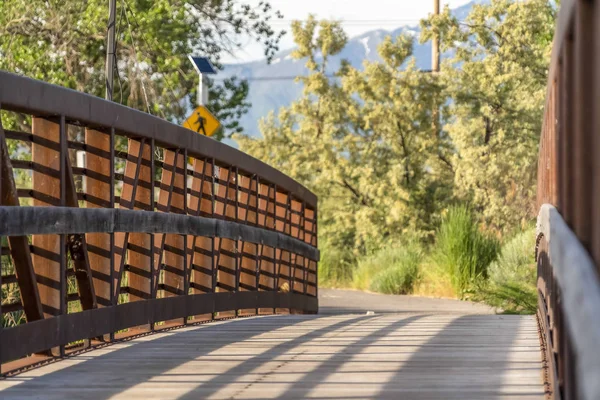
[
  {"x": 363, "y": 141},
  {"x": 495, "y": 80},
  {"x": 63, "y": 42}
]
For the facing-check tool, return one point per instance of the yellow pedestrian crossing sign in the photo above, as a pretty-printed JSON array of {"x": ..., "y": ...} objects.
[{"x": 202, "y": 121}]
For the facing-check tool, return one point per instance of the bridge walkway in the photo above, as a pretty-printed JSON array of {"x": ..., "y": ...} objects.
[{"x": 408, "y": 348}]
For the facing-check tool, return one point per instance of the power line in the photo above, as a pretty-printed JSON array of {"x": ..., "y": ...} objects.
[
  {"x": 272, "y": 78},
  {"x": 351, "y": 21},
  {"x": 290, "y": 77},
  {"x": 137, "y": 60}
]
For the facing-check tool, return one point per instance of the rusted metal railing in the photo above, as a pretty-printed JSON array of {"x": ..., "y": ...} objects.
[
  {"x": 116, "y": 223},
  {"x": 568, "y": 244}
]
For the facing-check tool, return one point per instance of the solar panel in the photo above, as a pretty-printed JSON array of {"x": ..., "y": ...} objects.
[{"x": 202, "y": 65}]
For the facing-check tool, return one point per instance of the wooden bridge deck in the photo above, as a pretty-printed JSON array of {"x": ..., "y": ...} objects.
[{"x": 426, "y": 349}]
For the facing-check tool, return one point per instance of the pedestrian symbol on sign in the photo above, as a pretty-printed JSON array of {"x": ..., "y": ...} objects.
[{"x": 202, "y": 121}]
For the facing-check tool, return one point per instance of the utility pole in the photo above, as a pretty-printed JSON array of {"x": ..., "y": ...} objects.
[
  {"x": 110, "y": 48},
  {"x": 435, "y": 69},
  {"x": 435, "y": 43}
]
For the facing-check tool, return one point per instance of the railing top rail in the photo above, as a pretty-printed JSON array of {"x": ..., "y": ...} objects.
[
  {"x": 43, "y": 99},
  {"x": 574, "y": 271},
  {"x": 563, "y": 25}
]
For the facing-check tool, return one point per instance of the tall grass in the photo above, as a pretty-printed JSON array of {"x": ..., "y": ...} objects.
[
  {"x": 336, "y": 266},
  {"x": 512, "y": 278},
  {"x": 391, "y": 270},
  {"x": 462, "y": 250}
]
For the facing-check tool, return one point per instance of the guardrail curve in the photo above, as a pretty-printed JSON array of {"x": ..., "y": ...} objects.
[
  {"x": 114, "y": 223},
  {"x": 568, "y": 243}
]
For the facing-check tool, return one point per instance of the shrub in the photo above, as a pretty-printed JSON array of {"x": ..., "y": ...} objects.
[
  {"x": 392, "y": 270},
  {"x": 462, "y": 250},
  {"x": 336, "y": 266},
  {"x": 512, "y": 277}
]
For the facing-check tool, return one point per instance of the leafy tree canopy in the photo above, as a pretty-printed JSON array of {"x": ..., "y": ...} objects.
[
  {"x": 63, "y": 42},
  {"x": 388, "y": 148}
]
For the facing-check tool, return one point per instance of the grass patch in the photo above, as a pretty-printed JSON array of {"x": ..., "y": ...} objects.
[
  {"x": 434, "y": 282},
  {"x": 336, "y": 266},
  {"x": 462, "y": 251},
  {"x": 511, "y": 284},
  {"x": 391, "y": 270}
]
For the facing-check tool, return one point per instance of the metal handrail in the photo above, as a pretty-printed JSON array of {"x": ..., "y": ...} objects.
[
  {"x": 568, "y": 252},
  {"x": 218, "y": 234}
]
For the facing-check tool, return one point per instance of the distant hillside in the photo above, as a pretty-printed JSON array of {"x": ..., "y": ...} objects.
[{"x": 272, "y": 88}]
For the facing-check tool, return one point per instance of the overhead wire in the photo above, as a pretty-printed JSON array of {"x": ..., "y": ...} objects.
[
  {"x": 136, "y": 58},
  {"x": 289, "y": 77},
  {"x": 116, "y": 63},
  {"x": 166, "y": 81}
]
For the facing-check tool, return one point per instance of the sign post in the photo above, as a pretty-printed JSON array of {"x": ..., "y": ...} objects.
[
  {"x": 201, "y": 120},
  {"x": 203, "y": 66}
]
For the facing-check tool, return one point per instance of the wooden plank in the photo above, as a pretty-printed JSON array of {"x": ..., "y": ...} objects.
[
  {"x": 266, "y": 207},
  {"x": 249, "y": 251},
  {"x": 169, "y": 248},
  {"x": 98, "y": 195},
  {"x": 19, "y": 245},
  {"x": 297, "y": 231},
  {"x": 283, "y": 257},
  {"x": 47, "y": 188},
  {"x": 310, "y": 237},
  {"x": 226, "y": 257},
  {"x": 136, "y": 196},
  {"x": 201, "y": 259}
]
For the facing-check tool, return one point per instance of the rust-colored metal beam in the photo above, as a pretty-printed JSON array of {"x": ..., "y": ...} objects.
[
  {"x": 234, "y": 248},
  {"x": 169, "y": 248},
  {"x": 99, "y": 194},
  {"x": 19, "y": 245},
  {"x": 226, "y": 255},
  {"x": 47, "y": 192},
  {"x": 201, "y": 254},
  {"x": 135, "y": 247}
]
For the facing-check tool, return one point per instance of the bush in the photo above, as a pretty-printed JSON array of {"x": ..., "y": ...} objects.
[
  {"x": 392, "y": 270},
  {"x": 512, "y": 277},
  {"x": 462, "y": 250},
  {"x": 336, "y": 266}
]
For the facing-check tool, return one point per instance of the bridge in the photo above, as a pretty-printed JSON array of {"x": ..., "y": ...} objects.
[{"x": 152, "y": 262}]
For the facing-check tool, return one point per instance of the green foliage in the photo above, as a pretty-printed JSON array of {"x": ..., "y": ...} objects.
[
  {"x": 388, "y": 148},
  {"x": 63, "y": 42},
  {"x": 394, "y": 269},
  {"x": 512, "y": 278},
  {"x": 336, "y": 266},
  {"x": 496, "y": 81},
  {"x": 462, "y": 250},
  {"x": 402, "y": 272},
  {"x": 363, "y": 142}
]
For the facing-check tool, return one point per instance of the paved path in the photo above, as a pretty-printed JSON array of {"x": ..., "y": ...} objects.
[{"x": 410, "y": 348}]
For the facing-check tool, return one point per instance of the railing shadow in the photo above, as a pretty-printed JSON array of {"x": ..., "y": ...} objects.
[
  {"x": 473, "y": 357},
  {"x": 418, "y": 356},
  {"x": 112, "y": 374},
  {"x": 140, "y": 360}
]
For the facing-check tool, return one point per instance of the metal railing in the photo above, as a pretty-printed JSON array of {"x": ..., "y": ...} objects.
[
  {"x": 568, "y": 243},
  {"x": 114, "y": 222}
]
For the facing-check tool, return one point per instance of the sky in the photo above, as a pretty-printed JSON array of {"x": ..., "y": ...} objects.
[{"x": 357, "y": 16}]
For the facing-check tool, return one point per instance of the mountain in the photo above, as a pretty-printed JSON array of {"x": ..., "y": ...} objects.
[{"x": 272, "y": 85}]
